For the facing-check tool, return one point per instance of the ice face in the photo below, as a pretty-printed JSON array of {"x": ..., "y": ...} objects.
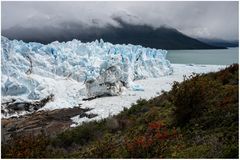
[{"x": 104, "y": 68}]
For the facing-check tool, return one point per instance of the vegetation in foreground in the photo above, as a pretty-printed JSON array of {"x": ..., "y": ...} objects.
[{"x": 198, "y": 118}]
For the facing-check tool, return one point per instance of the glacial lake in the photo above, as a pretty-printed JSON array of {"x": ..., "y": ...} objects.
[{"x": 213, "y": 56}]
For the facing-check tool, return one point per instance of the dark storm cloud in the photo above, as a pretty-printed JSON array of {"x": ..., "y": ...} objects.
[{"x": 198, "y": 19}]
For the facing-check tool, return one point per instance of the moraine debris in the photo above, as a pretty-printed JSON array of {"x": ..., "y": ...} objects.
[
  {"x": 14, "y": 106},
  {"x": 51, "y": 122}
]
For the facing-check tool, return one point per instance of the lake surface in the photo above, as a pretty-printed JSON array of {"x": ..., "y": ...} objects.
[{"x": 213, "y": 56}]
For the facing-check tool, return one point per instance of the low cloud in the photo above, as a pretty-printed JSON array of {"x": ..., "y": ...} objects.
[{"x": 198, "y": 19}]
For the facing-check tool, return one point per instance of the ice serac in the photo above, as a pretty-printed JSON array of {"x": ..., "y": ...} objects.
[{"x": 29, "y": 70}]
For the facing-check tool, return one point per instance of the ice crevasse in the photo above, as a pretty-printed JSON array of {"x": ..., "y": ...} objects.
[{"x": 103, "y": 68}]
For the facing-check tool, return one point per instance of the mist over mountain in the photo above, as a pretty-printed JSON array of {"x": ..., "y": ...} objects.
[{"x": 147, "y": 36}]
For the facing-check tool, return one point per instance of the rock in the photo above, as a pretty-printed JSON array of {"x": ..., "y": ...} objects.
[
  {"x": 91, "y": 115},
  {"x": 51, "y": 122},
  {"x": 13, "y": 107},
  {"x": 12, "y": 128}
]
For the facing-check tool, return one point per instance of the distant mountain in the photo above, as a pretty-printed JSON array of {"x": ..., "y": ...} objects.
[
  {"x": 220, "y": 42},
  {"x": 160, "y": 38}
]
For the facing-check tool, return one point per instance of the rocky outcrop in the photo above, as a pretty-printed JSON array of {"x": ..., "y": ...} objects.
[
  {"x": 48, "y": 122},
  {"x": 14, "y": 106}
]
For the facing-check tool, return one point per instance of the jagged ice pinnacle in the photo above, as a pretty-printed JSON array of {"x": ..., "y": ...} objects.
[{"x": 103, "y": 68}]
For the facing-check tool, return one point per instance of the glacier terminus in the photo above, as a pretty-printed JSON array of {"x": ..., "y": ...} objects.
[{"x": 72, "y": 71}]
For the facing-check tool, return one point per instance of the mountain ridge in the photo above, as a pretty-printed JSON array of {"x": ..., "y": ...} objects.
[
  {"x": 220, "y": 42},
  {"x": 161, "y": 38}
]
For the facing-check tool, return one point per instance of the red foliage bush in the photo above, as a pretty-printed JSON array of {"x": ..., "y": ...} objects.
[
  {"x": 26, "y": 146},
  {"x": 157, "y": 133}
]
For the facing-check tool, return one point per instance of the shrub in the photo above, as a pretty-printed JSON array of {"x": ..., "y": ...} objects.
[
  {"x": 151, "y": 144},
  {"x": 191, "y": 97},
  {"x": 26, "y": 146}
]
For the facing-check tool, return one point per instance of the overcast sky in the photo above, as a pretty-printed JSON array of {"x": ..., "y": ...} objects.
[{"x": 198, "y": 19}]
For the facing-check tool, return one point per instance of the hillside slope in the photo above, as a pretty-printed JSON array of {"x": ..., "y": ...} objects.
[{"x": 198, "y": 118}]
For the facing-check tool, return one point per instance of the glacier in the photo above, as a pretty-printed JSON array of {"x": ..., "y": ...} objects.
[{"x": 75, "y": 70}]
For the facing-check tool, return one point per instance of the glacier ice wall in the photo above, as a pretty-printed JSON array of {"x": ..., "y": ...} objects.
[{"x": 98, "y": 64}]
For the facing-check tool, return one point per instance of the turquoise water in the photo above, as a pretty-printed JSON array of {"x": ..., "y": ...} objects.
[{"x": 215, "y": 56}]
